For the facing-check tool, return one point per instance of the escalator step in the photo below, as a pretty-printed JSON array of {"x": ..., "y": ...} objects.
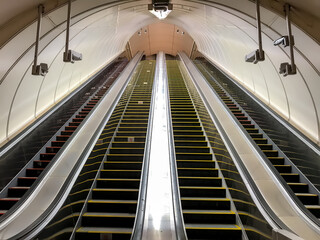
[
  {"x": 314, "y": 209},
  {"x": 33, "y": 172},
  {"x": 213, "y": 231},
  {"x": 123, "y": 165},
  {"x": 192, "y": 156},
  {"x": 200, "y": 181},
  {"x": 308, "y": 198},
  {"x": 187, "y": 133},
  {"x": 203, "y": 172},
  {"x": 260, "y": 140},
  {"x": 196, "y": 164},
  {"x": 114, "y": 150},
  {"x": 179, "y": 143},
  {"x": 299, "y": 187},
  {"x": 283, "y": 168},
  {"x": 192, "y": 149},
  {"x": 26, "y": 181},
  {"x": 189, "y": 138},
  {"x": 132, "y": 134},
  {"x": 187, "y": 128},
  {"x": 291, "y": 177},
  {"x": 126, "y": 183},
  {"x": 128, "y": 138},
  {"x": 276, "y": 160},
  {"x": 99, "y": 233},
  {"x": 252, "y": 130},
  {"x": 40, "y": 163},
  {"x": 205, "y": 203},
  {"x": 270, "y": 153},
  {"x": 62, "y": 138},
  {"x": 47, "y": 156},
  {"x": 209, "y": 216},
  {"x": 116, "y": 220},
  {"x": 121, "y": 194},
  {"x": 17, "y": 192},
  {"x": 74, "y": 123},
  {"x": 7, "y": 203},
  {"x": 57, "y": 143},
  {"x": 128, "y": 144},
  {"x": 219, "y": 192},
  {"x": 125, "y": 157},
  {"x": 52, "y": 149},
  {"x": 124, "y": 206},
  {"x": 118, "y": 173}
]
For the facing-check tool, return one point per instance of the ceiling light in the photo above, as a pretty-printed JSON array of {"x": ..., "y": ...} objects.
[
  {"x": 160, "y": 8},
  {"x": 160, "y": 13}
]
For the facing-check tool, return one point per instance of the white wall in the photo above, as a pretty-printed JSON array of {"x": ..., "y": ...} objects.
[{"x": 223, "y": 34}]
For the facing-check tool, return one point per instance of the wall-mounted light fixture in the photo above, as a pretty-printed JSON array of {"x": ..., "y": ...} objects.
[
  {"x": 160, "y": 8},
  {"x": 257, "y": 55},
  {"x": 70, "y": 55},
  {"x": 287, "y": 68},
  {"x": 42, "y": 68}
]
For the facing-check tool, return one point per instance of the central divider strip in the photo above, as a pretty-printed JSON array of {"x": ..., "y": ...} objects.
[{"x": 159, "y": 218}]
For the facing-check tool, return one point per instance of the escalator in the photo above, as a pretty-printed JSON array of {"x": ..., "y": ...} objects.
[
  {"x": 17, "y": 188},
  {"x": 301, "y": 188},
  {"x": 111, "y": 209},
  {"x": 206, "y": 208}
]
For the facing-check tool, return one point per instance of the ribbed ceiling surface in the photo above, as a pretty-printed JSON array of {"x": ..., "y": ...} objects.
[{"x": 224, "y": 33}]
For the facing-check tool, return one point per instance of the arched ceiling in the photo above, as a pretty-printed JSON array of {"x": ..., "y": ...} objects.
[
  {"x": 224, "y": 32},
  {"x": 161, "y": 36}
]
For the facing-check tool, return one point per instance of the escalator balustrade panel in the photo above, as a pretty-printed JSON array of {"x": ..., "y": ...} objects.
[
  {"x": 300, "y": 189},
  {"x": 206, "y": 209},
  {"x": 23, "y": 183},
  {"x": 112, "y": 208}
]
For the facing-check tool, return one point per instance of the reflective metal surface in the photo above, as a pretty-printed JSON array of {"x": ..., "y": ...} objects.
[
  {"x": 49, "y": 187},
  {"x": 278, "y": 200},
  {"x": 159, "y": 216}
]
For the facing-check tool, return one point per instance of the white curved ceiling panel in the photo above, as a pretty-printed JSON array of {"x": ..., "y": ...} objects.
[
  {"x": 225, "y": 35},
  {"x": 226, "y": 39}
]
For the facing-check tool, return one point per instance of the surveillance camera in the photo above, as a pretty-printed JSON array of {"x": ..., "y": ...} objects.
[
  {"x": 40, "y": 70},
  {"x": 286, "y": 69},
  {"x": 71, "y": 56},
  {"x": 255, "y": 56},
  {"x": 284, "y": 40}
]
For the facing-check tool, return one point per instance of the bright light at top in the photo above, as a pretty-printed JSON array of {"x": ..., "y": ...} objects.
[{"x": 160, "y": 13}]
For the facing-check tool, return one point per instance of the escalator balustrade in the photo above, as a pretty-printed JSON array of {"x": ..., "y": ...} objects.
[
  {"x": 311, "y": 201},
  {"x": 112, "y": 208},
  {"x": 206, "y": 209},
  {"x": 23, "y": 184}
]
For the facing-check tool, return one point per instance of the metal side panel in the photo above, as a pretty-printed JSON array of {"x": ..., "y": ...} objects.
[
  {"x": 279, "y": 201},
  {"x": 51, "y": 184}
]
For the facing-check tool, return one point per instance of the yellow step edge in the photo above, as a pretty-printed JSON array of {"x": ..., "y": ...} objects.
[
  {"x": 200, "y": 177},
  {"x": 210, "y": 188},
  {"x": 206, "y": 199},
  {"x": 79, "y": 230},
  {"x": 217, "y": 228},
  {"x": 114, "y": 189},
  {"x": 213, "y": 213},
  {"x": 101, "y": 216},
  {"x": 119, "y": 179},
  {"x": 197, "y": 168},
  {"x": 120, "y": 162},
  {"x": 106, "y": 201}
]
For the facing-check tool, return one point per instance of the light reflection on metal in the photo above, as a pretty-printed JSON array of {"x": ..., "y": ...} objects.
[{"x": 159, "y": 216}]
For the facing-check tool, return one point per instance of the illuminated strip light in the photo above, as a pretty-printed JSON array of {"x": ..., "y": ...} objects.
[{"x": 160, "y": 13}]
